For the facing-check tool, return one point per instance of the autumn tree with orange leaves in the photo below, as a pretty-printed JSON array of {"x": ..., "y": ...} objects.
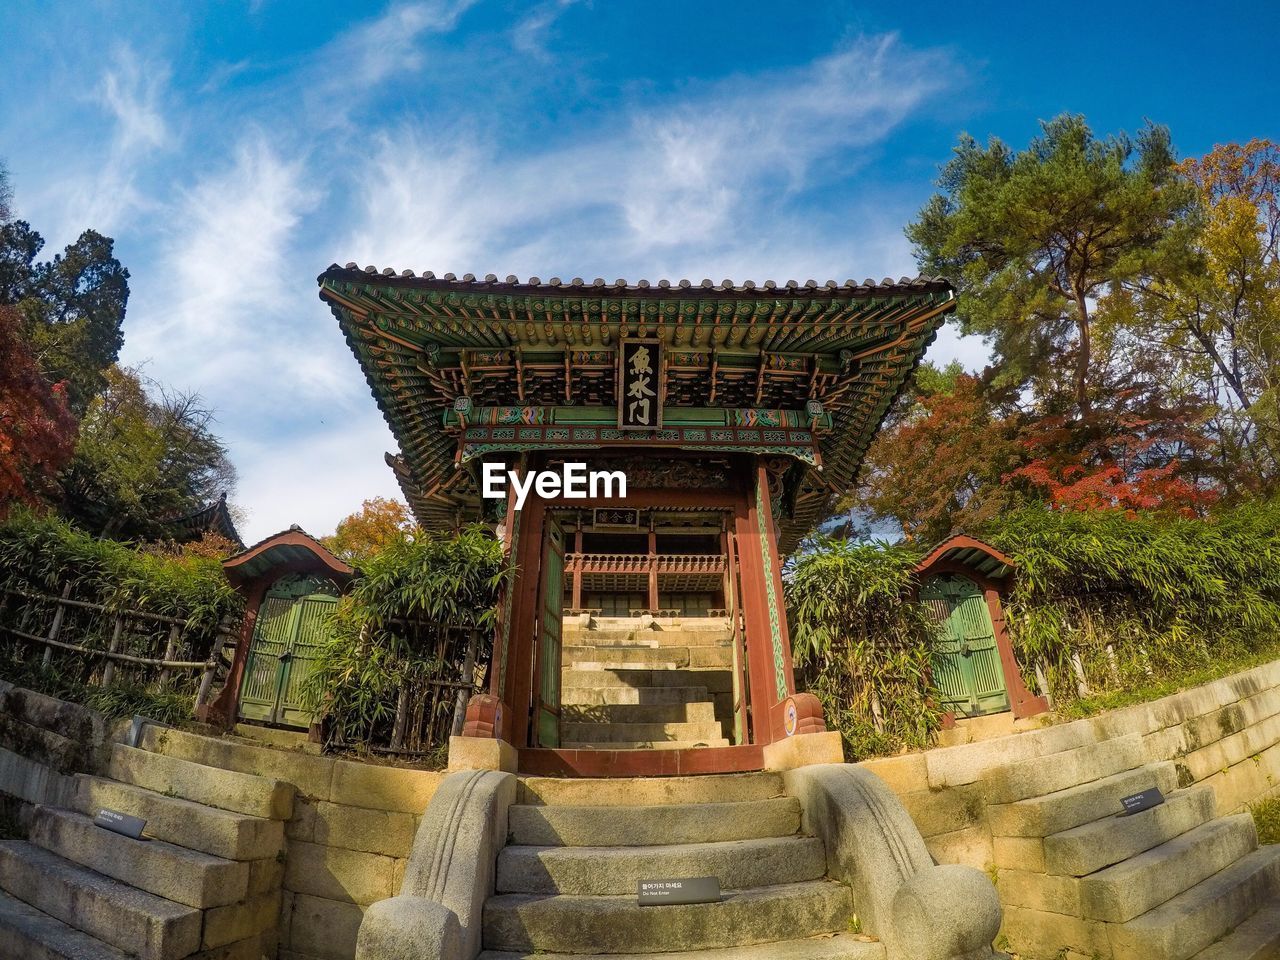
[
  {"x": 1132, "y": 306},
  {"x": 362, "y": 534}
]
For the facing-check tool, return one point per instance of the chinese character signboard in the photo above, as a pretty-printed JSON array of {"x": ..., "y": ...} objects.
[
  {"x": 627, "y": 518},
  {"x": 639, "y": 392}
]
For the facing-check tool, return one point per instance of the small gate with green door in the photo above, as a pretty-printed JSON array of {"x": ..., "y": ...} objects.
[
  {"x": 293, "y": 622},
  {"x": 966, "y": 667}
]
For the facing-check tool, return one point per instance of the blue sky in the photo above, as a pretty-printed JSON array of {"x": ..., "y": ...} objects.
[{"x": 234, "y": 150}]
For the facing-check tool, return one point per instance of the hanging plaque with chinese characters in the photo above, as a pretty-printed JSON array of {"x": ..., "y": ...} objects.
[{"x": 639, "y": 385}]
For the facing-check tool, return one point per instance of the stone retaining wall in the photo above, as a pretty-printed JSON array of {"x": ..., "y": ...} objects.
[
  {"x": 348, "y": 841},
  {"x": 1225, "y": 734}
]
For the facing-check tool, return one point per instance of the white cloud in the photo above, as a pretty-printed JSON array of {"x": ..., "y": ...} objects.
[
  {"x": 695, "y": 163},
  {"x": 350, "y": 67},
  {"x": 714, "y": 182},
  {"x": 131, "y": 91},
  {"x": 228, "y": 308},
  {"x": 529, "y": 35},
  {"x": 672, "y": 184},
  {"x": 98, "y": 183},
  {"x": 314, "y": 478}
]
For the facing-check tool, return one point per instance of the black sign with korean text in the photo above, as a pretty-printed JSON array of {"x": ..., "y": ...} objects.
[
  {"x": 1141, "y": 801},
  {"x": 121, "y": 823},
  {"x": 639, "y": 386},
  {"x": 659, "y": 893}
]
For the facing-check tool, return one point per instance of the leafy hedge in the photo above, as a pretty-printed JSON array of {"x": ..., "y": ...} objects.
[
  {"x": 860, "y": 646},
  {"x": 43, "y": 553},
  {"x": 1123, "y": 600},
  {"x": 403, "y": 625},
  {"x": 1138, "y": 597}
]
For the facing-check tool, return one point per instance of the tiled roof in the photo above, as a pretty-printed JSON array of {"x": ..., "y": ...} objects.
[
  {"x": 399, "y": 325},
  {"x": 490, "y": 283}
]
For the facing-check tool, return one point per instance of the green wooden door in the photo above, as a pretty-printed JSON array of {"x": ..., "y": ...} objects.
[
  {"x": 292, "y": 624},
  {"x": 967, "y": 667},
  {"x": 550, "y": 614}
]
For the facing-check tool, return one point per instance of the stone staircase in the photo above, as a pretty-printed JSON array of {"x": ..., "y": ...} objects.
[
  {"x": 203, "y": 883},
  {"x": 1172, "y": 882},
  {"x": 567, "y": 879},
  {"x": 650, "y": 686}
]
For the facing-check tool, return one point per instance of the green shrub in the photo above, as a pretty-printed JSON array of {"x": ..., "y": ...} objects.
[
  {"x": 1266, "y": 814},
  {"x": 861, "y": 646},
  {"x": 397, "y": 631},
  {"x": 122, "y": 701},
  {"x": 43, "y": 553},
  {"x": 1139, "y": 598}
]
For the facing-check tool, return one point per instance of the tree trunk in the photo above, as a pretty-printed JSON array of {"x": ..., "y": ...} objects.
[{"x": 1083, "y": 358}]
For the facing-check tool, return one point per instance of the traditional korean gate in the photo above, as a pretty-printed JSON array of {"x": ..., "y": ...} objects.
[
  {"x": 550, "y": 615},
  {"x": 967, "y": 666},
  {"x": 291, "y": 626}
]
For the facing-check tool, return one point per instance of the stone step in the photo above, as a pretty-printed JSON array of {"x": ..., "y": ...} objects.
[
  {"x": 1089, "y": 848},
  {"x": 632, "y": 732},
  {"x": 711, "y": 680},
  {"x": 517, "y": 921},
  {"x": 653, "y": 639},
  {"x": 239, "y": 792},
  {"x": 646, "y": 744},
  {"x": 1041, "y": 775},
  {"x": 293, "y": 740},
  {"x": 1064, "y": 809},
  {"x": 616, "y": 871},
  {"x": 1191, "y": 921},
  {"x": 649, "y": 791},
  {"x": 639, "y": 826},
  {"x": 232, "y": 836},
  {"x": 175, "y": 873},
  {"x": 841, "y": 946},
  {"x": 701, "y": 712},
  {"x": 28, "y": 934},
  {"x": 595, "y": 638},
  {"x": 114, "y": 912},
  {"x": 63, "y": 754},
  {"x": 643, "y": 696},
  {"x": 1141, "y": 883},
  {"x": 1258, "y": 938},
  {"x": 647, "y": 658}
]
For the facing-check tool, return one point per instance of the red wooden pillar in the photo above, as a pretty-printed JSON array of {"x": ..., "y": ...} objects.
[
  {"x": 577, "y": 567},
  {"x": 777, "y": 711},
  {"x": 653, "y": 567}
]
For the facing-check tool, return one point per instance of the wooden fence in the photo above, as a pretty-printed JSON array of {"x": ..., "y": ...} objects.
[
  {"x": 431, "y": 705},
  {"x": 104, "y": 645}
]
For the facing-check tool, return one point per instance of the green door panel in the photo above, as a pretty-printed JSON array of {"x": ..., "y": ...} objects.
[
  {"x": 292, "y": 624},
  {"x": 550, "y": 614},
  {"x": 966, "y": 667},
  {"x": 271, "y": 635},
  {"x": 312, "y": 631}
]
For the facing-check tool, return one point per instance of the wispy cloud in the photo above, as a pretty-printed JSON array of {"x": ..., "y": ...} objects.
[
  {"x": 530, "y": 34},
  {"x": 238, "y": 194},
  {"x": 223, "y": 306},
  {"x": 100, "y": 182},
  {"x": 671, "y": 182},
  {"x": 354, "y": 64}
]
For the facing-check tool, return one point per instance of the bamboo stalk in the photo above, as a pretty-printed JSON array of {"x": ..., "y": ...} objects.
[
  {"x": 109, "y": 671},
  {"x": 56, "y": 628},
  {"x": 64, "y": 600},
  {"x": 170, "y": 651}
]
